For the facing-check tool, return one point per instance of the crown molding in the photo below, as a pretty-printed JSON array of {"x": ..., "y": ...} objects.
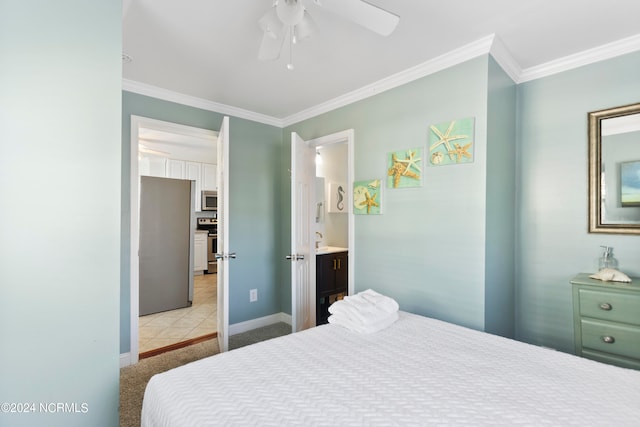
[
  {"x": 192, "y": 101},
  {"x": 449, "y": 59},
  {"x": 503, "y": 57},
  {"x": 491, "y": 44},
  {"x": 597, "y": 54}
]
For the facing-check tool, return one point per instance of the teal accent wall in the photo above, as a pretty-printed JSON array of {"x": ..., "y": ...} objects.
[
  {"x": 428, "y": 250},
  {"x": 553, "y": 242},
  {"x": 254, "y": 192},
  {"x": 500, "y": 203},
  {"x": 60, "y": 84}
]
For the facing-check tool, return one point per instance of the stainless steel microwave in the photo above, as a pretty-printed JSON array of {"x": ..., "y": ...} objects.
[{"x": 209, "y": 200}]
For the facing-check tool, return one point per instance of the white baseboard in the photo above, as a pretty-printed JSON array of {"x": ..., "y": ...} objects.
[
  {"x": 238, "y": 328},
  {"x": 125, "y": 359}
]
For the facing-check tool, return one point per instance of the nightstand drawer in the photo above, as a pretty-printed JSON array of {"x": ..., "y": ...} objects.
[
  {"x": 611, "y": 338},
  {"x": 615, "y": 307}
]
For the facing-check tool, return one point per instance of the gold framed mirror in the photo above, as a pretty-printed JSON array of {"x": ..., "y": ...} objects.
[{"x": 614, "y": 170}]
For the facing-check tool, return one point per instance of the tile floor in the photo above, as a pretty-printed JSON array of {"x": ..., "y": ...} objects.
[{"x": 170, "y": 327}]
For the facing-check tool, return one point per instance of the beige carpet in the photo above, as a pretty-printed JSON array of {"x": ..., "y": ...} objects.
[{"x": 133, "y": 379}]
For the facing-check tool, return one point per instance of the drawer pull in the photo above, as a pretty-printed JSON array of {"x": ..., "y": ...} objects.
[
  {"x": 609, "y": 340},
  {"x": 605, "y": 306}
]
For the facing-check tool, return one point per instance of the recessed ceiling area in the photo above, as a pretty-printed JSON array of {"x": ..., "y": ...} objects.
[{"x": 208, "y": 49}]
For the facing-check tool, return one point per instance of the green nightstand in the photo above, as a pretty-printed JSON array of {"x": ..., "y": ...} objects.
[{"x": 606, "y": 320}]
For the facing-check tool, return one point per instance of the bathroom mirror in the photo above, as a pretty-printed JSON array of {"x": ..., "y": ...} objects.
[{"x": 614, "y": 170}]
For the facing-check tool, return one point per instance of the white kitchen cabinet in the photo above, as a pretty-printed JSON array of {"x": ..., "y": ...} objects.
[
  {"x": 209, "y": 179},
  {"x": 150, "y": 165},
  {"x": 204, "y": 174},
  {"x": 194, "y": 173},
  {"x": 200, "y": 261},
  {"x": 176, "y": 169}
]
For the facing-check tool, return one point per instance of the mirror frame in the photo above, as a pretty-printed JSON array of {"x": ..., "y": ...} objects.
[{"x": 595, "y": 166}]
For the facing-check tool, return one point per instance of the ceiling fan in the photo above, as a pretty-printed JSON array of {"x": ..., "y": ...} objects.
[{"x": 289, "y": 20}]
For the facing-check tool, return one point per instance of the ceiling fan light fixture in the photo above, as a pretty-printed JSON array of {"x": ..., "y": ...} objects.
[{"x": 290, "y": 12}]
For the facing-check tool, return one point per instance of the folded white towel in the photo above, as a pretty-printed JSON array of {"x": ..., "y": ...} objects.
[
  {"x": 382, "y": 323},
  {"x": 370, "y": 315},
  {"x": 381, "y": 301},
  {"x": 367, "y": 311},
  {"x": 365, "y": 302}
]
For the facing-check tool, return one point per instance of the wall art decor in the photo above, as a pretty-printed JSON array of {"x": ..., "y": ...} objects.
[
  {"x": 367, "y": 197},
  {"x": 337, "y": 197},
  {"x": 405, "y": 168},
  {"x": 451, "y": 142}
]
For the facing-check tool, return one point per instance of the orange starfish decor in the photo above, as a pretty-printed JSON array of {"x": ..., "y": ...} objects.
[
  {"x": 370, "y": 201},
  {"x": 460, "y": 152},
  {"x": 401, "y": 168}
]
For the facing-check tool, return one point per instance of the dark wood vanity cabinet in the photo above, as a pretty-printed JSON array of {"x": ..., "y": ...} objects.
[{"x": 331, "y": 282}]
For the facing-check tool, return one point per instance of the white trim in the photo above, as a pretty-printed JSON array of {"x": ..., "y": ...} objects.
[
  {"x": 345, "y": 137},
  {"x": 488, "y": 44},
  {"x": 192, "y": 101},
  {"x": 125, "y": 359},
  {"x": 597, "y": 54},
  {"x": 134, "y": 217},
  {"x": 134, "y": 241},
  {"x": 442, "y": 62},
  {"x": 238, "y": 328},
  {"x": 503, "y": 57}
]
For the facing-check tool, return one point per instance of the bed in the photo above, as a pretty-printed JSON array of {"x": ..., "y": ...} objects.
[{"x": 418, "y": 371}]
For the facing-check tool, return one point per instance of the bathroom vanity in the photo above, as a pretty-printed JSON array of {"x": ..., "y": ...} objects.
[{"x": 331, "y": 279}]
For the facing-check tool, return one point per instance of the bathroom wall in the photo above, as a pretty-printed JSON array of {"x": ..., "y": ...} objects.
[{"x": 335, "y": 227}]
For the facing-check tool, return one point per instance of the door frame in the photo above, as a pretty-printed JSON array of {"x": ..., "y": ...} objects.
[
  {"x": 134, "y": 218},
  {"x": 342, "y": 137}
]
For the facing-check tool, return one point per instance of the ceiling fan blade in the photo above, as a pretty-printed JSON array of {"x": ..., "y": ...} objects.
[
  {"x": 270, "y": 47},
  {"x": 362, "y": 13},
  {"x": 306, "y": 27},
  {"x": 271, "y": 24}
]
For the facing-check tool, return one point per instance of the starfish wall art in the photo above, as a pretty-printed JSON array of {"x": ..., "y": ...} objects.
[
  {"x": 367, "y": 197},
  {"x": 451, "y": 142},
  {"x": 405, "y": 168}
]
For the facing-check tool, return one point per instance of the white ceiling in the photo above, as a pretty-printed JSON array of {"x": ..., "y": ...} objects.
[{"x": 207, "y": 49}]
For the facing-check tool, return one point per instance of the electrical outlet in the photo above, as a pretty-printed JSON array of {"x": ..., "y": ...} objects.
[{"x": 253, "y": 295}]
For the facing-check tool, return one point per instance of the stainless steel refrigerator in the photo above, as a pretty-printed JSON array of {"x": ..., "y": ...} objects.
[{"x": 167, "y": 224}]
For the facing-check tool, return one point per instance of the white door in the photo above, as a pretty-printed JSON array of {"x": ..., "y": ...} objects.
[
  {"x": 302, "y": 251},
  {"x": 223, "y": 236}
]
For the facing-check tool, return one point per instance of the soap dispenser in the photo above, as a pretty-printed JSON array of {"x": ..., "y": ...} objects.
[{"x": 607, "y": 259}]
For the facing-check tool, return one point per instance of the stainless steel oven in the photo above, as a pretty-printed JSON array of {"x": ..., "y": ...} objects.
[{"x": 211, "y": 225}]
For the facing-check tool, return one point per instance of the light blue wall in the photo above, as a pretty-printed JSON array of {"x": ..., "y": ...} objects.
[
  {"x": 254, "y": 190},
  {"x": 427, "y": 249},
  {"x": 501, "y": 215},
  {"x": 60, "y": 83},
  {"x": 553, "y": 242}
]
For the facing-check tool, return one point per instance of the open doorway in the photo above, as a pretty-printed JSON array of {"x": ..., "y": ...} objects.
[
  {"x": 165, "y": 151},
  {"x": 309, "y": 213}
]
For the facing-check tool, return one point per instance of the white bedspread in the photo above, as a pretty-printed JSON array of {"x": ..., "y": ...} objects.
[{"x": 419, "y": 371}]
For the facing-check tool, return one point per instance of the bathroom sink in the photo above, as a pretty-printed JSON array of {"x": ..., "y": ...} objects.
[{"x": 329, "y": 250}]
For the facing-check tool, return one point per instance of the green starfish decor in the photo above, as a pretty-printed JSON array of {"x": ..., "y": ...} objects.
[{"x": 451, "y": 142}]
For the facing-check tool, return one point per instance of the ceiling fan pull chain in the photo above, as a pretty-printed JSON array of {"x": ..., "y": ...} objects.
[{"x": 291, "y": 38}]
